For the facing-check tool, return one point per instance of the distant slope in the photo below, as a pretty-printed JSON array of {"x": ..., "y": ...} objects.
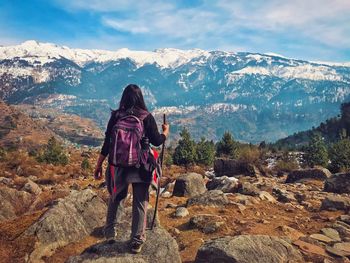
[{"x": 331, "y": 130}]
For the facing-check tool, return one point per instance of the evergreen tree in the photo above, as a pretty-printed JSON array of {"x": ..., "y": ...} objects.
[
  {"x": 339, "y": 155},
  {"x": 316, "y": 151},
  {"x": 185, "y": 151},
  {"x": 227, "y": 146},
  {"x": 205, "y": 152},
  {"x": 53, "y": 153}
]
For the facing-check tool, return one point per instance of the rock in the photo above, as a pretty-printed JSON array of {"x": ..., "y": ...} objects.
[
  {"x": 265, "y": 196},
  {"x": 181, "y": 212},
  {"x": 223, "y": 183},
  {"x": 345, "y": 218},
  {"x": 322, "y": 238},
  {"x": 248, "y": 189},
  {"x": 335, "y": 203},
  {"x": 290, "y": 232},
  {"x": 69, "y": 220},
  {"x": 312, "y": 173},
  {"x": 310, "y": 248},
  {"x": 32, "y": 187},
  {"x": 344, "y": 247},
  {"x": 207, "y": 223},
  {"x": 283, "y": 195},
  {"x": 247, "y": 249},
  {"x": 210, "y": 198},
  {"x": 331, "y": 233},
  {"x": 159, "y": 247},
  {"x": 335, "y": 251},
  {"x": 13, "y": 202},
  {"x": 338, "y": 183},
  {"x": 190, "y": 184},
  {"x": 6, "y": 181},
  {"x": 232, "y": 167}
]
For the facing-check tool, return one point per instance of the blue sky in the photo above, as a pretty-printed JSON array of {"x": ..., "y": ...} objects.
[{"x": 306, "y": 29}]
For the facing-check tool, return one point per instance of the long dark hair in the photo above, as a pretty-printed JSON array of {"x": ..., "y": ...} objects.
[{"x": 132, "y": 98}]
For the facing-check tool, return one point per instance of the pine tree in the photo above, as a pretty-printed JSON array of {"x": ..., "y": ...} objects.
[
  {"x": 205, "y": 152},
  {"x": 339, "y": 155},
  {"x": 184, "y": 153},
  {"x": 316, "y": 151},
  {"x": 227, "y": 146}
]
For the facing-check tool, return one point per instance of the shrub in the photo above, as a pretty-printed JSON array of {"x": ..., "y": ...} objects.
[
  {"x": 339, "y": 154},
  {"x": 53, "y": 153},
  {"x": 249, "y": 154},
  {"x": 227, "y": 146},
  {"x": 2, "y": 153},
  {"x": 85, "y": 164}
]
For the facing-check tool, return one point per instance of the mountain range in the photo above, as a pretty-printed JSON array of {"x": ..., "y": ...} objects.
[{"x": 255, "y": 96}]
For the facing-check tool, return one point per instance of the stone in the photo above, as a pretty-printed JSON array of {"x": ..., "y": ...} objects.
[
  {"x": 322, "y": 238},
  {"x": 12, "y": 202},
  {"x": 190, "y": 184},
  {"x": 210, "y": 198},
  {"x": 160, "y": 246},
  {"x": 32, "y": 187},
  {"x": 6, "y": 181},
  {"x": 290, "y": 232},
  {"x": 181, "y": 212},
  {"x": 345, "y": 218},
  {"x": 344, "y": 247},
  {"x": 331, "y": 233},
  {"x": 338, "y": 183},
  {"x": 247, "y": 188},
  {"x": 335, "y": 203},
  {"x": 310, "y": 248},
  {"x": 335, "y": 251},
  {"x": 233, "y": 167},
  {"x": 247, "y": 249},
  {"x": 207, "y": 223},
  {"x": 265, "y": 196},
  {"x": 223, "y": 183},
  {"x": 68, "y": 220},
  {"x": 283, "y": 195},
  {"x": 312, "y": 173}
]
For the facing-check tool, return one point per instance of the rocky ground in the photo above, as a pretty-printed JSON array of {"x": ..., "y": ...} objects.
[{"x": 55, "y": 214}]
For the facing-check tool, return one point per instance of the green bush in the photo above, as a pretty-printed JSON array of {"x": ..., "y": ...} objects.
[
  {"x": 185, "y": 151},
  {"x": 249, "y": 154},
  {"x": 205, "y": 152},
  {"x": 85, "y": 164},
  {"x": 53, "y": 153},
  {"x": 2, "y": 153},
  {"x": 227, "y": 146},
  {"x": 339, "y": 154}
]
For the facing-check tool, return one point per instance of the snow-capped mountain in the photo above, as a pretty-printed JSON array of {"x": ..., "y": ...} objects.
[{"x": 256, "y": 96}]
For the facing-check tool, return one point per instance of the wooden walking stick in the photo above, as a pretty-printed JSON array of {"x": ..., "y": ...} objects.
[{"x": 158, "y": 183}]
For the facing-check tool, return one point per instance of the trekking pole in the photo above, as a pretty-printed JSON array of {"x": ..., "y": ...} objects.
[{"x": 158, "y": 183}]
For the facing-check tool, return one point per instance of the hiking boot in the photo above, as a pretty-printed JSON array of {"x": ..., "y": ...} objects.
[
  {"x": 110, "y": 237},
  {"x": 136, "y": 247}
]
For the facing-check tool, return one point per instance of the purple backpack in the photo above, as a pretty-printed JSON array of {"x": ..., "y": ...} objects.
[{"x": 125, "y": 149}]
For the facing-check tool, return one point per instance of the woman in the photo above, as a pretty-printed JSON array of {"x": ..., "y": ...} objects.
[{"x": 132, "y": 99}]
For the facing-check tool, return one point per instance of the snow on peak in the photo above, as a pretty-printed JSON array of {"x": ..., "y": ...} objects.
[{"x": 31, "y": 49}]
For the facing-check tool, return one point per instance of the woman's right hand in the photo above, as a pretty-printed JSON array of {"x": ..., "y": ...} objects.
[
  {"x": 98, "y": 172},
  {"x": 165, "y": 128}
]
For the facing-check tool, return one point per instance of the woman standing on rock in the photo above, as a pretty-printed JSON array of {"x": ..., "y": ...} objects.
[{"x": 125, "y": 160}]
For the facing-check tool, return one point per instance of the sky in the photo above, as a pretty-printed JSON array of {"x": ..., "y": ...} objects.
[{"x": 305, "y": 29}]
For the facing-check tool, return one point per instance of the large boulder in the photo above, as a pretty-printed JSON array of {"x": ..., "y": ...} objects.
[
  {"x": 13, "y": 202},
  {"x": 190, "y": 184},
  {"x": 69, "y": 220},
  {"x": 248, "y": 249},
  {"x": 159, "y": 247},
  {"x": 223, "y": 183},
  {"x": 210, "y": 198},
  {"x": 32, "y": 187},
  {"x": 312, "y": 173},
  {"x": 233, "y": 167},
  {"x": 338, "y": 183},
  {"x": 207, "y": 223}
]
